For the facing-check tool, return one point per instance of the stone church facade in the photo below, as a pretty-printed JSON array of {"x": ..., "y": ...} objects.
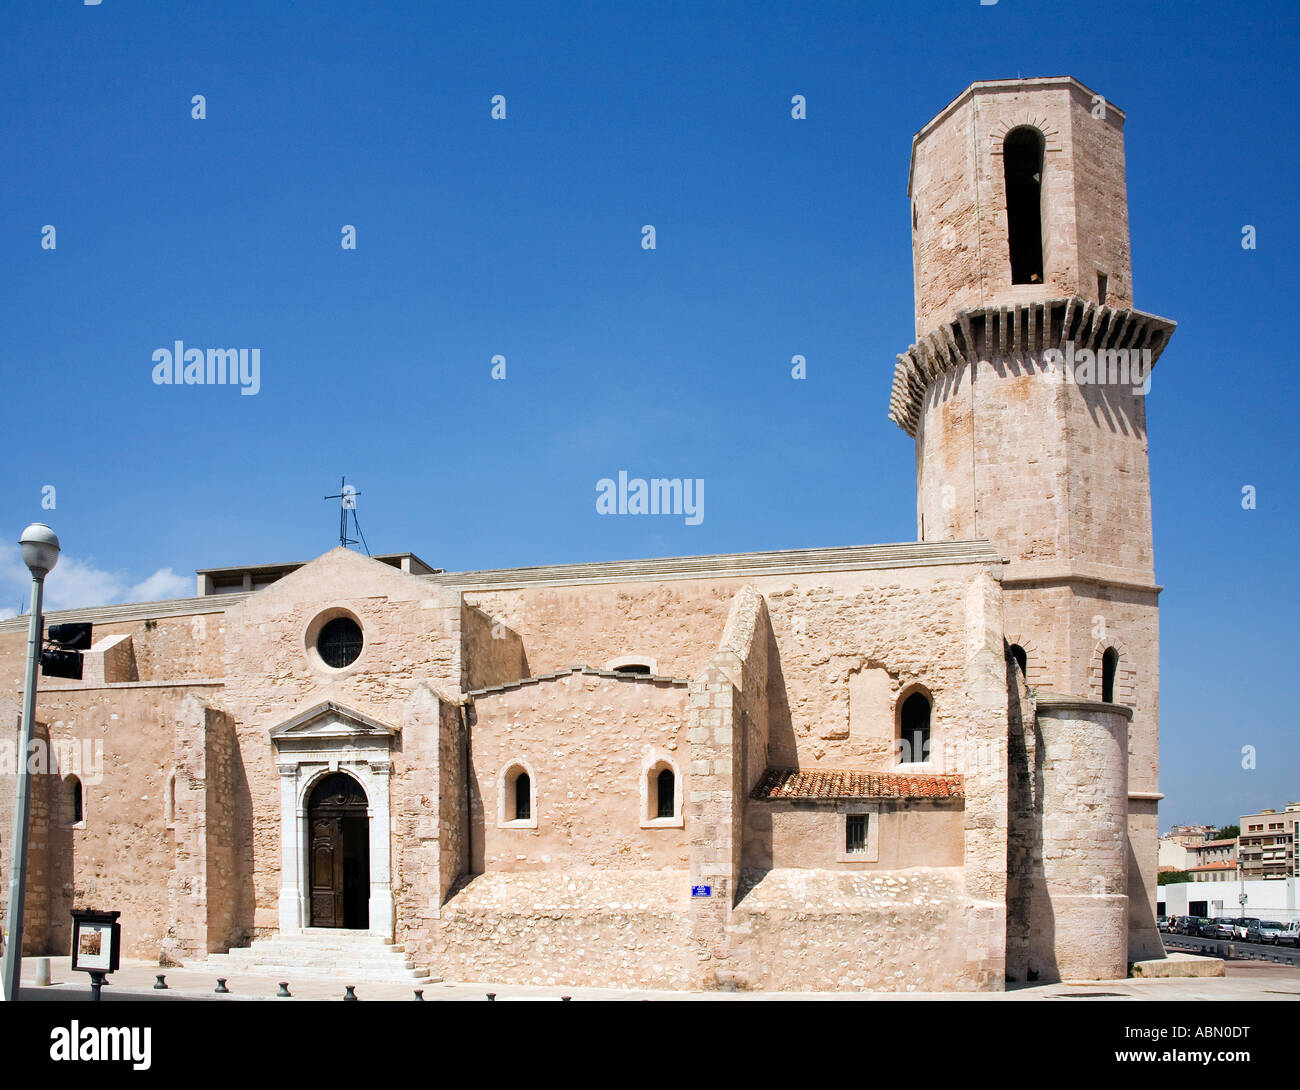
[{"x": 918, "y": 766}]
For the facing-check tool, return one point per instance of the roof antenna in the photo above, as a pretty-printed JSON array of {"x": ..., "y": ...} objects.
[{"x": 347, "y": 496}]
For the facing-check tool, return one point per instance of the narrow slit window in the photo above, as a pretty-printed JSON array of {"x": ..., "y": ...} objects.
[
  {"x": 855, "y": 834},
  {"x": 666, "y": 794},
  {"x": 523, "y": 797},
  {"x": 1022, "y": 163},
  {"x": 1101, "y": 288},
  {"x": 78, "y": 802}
]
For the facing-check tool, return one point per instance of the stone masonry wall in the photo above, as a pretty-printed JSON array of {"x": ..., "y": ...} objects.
[
  {"x": 119, "y": 741},
  {"x": 411, "y": 632},
  {"x": 821, "y": 930},
  {"x": 588, "y": 741},
  {"x": 593, "y": 927}
]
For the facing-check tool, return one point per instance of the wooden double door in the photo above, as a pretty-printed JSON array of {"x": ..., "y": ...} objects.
[{"x": 339, "y": 830}]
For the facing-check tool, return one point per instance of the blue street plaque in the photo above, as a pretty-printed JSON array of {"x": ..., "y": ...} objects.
[{"x": 701, "y": 891}]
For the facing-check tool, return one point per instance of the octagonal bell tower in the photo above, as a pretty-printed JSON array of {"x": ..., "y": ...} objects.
[{"x": 1026, "y": 394}]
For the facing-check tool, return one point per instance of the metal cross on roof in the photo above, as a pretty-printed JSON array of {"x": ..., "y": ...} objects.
[{"x": 347, "y": 495}]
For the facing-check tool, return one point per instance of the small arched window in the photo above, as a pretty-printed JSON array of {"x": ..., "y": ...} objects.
[
  {"x": 517, "y": 796},
  {"x": 523, "y": 798},
  {"x": 76, "y": 801},
  {"x": 1018, "y": 653},
  {"x": 632, "y": 668},
  {"x": 1022, "y": 164},
  {"x": 1109, "y": 668},
  {"x": 661, "y": 799},
  {"x": 914, "y": 729},
  {"x": 666, "y": 794}
]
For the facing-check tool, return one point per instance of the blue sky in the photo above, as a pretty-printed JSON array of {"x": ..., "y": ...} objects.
[{"x": 523, "y": 238}]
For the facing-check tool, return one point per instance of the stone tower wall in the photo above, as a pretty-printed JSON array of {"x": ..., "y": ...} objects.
[
  {"x": 958, "y": 193},
  {"x": 1022, "y": 439},
  {"x": 1078, "y": 898}
]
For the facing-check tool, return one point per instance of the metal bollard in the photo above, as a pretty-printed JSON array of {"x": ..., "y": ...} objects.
[
  {"x": 42, "y": 972},
  {"x": 492, "y": 997},
  {"x": 419, "y": 995},
  {"x": 161, "y": 983},
  {"x": 221, "y": 988},
  {"x": 350, "y": 995},
  {"x": 284, "y": 991}
]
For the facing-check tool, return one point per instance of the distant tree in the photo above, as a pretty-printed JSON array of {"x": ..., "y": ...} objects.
[
  {"x": 1228, "y": 832},
  {"x": 1166, "y": 877}
]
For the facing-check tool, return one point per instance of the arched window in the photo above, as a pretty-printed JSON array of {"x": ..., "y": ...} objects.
[
  {"x": 517, "y": 797},
  {"x": 914, "y": 729},
  {"x": 1018, "y": 653},
  {"x": 666, "y": 794},
  {"x": 661, "y": 801},
  {"x": 1022, "y": 164},
  {"x": 1109, "y": 668},
  {"x": 76, "y": 801},
  {"x": 523, "y": 798},
  {"x": 635, "y": 663}
]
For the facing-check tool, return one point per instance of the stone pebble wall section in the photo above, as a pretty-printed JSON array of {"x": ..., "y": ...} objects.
[
  {"x": 821, "y": 930},
  {"x": 593, "y": 928}
]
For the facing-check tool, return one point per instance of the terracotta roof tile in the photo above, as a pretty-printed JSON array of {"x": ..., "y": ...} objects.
[{"x": 788, "y": 783}]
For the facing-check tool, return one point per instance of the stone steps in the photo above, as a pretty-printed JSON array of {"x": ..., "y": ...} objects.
[{"x": 319, "y": 952}]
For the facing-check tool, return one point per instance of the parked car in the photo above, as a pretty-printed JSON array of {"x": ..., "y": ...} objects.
[
  {"x": 1179, "y": 926},
  {"x": 1290, "y": 934},
  {"x": 1162, "y": 923},
  {"x": 1265, "y": 931},
  {"x": 1241, "y": 924},
  {"x": 1225, "y": 927}
]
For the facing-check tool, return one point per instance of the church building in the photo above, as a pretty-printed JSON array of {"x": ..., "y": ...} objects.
[{"x": 924, "y": 766}]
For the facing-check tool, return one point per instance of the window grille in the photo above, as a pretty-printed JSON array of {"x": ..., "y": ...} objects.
[{"x": 855, "y": 834}]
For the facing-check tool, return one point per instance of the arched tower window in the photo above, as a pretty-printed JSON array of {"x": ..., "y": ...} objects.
[
  {"x": 1109, "y": 668},
  {"x": 1022, "y": 163},
  {"x": 1018, "y": 653},
  {"x": 914, "y": 729},
  {"x": 666, "y": 791}
]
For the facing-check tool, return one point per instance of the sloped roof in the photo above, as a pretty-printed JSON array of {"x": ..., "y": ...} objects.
[
  {"x": 556, "y": 675},
  {"x": 789, "y": 783}
]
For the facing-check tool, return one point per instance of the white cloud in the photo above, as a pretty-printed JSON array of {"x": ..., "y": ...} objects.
[
  {"x": 74, "y": 584},
  {"x": 164, "y": 583}
]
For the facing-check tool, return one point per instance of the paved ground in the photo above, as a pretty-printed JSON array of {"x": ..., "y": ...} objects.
[
  {"x": 1244, "y": 980},
  {"x": 1234, "y": 948}
]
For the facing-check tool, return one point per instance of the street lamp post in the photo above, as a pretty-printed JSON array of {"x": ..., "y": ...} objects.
[{"x": 40, "y": 554}]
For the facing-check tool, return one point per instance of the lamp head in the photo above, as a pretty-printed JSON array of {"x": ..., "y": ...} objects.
[{"x": 40, "y": 549}]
